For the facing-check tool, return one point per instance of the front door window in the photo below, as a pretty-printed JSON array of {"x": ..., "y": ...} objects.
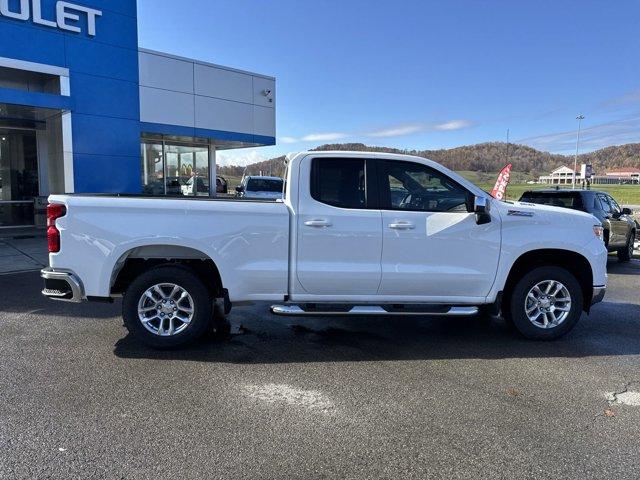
[{"x": 415, "y": 187}]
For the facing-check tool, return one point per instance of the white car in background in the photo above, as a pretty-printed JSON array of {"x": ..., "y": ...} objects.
[
  {"x": 201, "y": 186},
  {"x": 261, "y": 187}
]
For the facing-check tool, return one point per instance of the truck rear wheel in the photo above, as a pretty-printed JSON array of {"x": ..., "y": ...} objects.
[
  {"x": 546, "y": 303},
  {"x": 167, "y": 307}
]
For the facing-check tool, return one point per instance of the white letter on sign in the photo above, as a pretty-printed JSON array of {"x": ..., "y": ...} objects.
[
  {"x": 63, "y": 14},
  {"x": 23, "y": 14},
  {"x": 37, "y": 16}
]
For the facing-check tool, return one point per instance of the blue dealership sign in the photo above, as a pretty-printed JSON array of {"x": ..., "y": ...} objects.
[{"x": 97, "y": 41}]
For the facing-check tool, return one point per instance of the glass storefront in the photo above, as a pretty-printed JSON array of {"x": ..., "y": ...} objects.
[
  {"x": 32, "y": 165},
  {"x": 175, "y": 169},
  {"x": 18, "y": 177}
]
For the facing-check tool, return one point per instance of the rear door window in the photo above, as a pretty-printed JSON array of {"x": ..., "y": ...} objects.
[{"x": 339, "y": 182}]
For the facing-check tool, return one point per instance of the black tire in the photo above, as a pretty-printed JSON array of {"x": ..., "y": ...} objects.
[
  {"x": 187, "y": 280},
  {"x": 626, "y": 254},
  {"x": 517, "y": 303}
]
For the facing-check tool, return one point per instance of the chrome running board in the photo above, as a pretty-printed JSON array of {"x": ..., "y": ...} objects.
[{"x": 437, "y": 310}]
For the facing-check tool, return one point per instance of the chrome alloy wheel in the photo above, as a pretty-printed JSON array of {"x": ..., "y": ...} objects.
[
  {"x": 548, "y": 304},
  {"x": 165, "y": 309}
]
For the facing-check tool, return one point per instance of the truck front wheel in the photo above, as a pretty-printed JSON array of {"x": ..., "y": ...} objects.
[
  {"x": 167, "y": 307},
  {"x": 546, "y": 303}
]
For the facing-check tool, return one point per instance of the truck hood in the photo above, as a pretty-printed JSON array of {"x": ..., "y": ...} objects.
[{"x": 545, "y": 213}]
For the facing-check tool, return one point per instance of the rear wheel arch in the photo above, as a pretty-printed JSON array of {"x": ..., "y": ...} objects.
[
  {"x": 143, "y": 258},
  {"x": 573, "y": 262}
]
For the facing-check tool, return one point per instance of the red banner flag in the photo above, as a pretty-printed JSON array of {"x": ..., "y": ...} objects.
[{"x": 501, "y": 185}]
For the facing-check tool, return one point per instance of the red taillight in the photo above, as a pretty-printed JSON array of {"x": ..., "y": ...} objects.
[{"x": 54, "y": 211}]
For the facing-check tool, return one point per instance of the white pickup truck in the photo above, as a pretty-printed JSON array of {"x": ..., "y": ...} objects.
[{"x": 354, "y": 234}]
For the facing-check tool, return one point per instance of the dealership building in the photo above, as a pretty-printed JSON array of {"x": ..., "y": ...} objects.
[{"x": 84, "y": 109}]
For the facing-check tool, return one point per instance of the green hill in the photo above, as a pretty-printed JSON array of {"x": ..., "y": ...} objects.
[{"x": 479, "y": 162}]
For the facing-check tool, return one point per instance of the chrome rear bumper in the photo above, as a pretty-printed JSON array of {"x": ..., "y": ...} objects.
[
  {"x": 62, "y": 286},
  {"x": 598, "y": 294}
]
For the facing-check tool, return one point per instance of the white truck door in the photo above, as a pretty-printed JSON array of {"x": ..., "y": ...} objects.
[
  {"x": 433, "y": 247},
  {"x": 339, "y": 239}
]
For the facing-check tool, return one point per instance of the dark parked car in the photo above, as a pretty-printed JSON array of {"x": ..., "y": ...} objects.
[
  {"x": 222, "y": 186},
  {"x": 619, "y": 226}
]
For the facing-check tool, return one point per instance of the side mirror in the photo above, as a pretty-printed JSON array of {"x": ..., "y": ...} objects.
[
  {"x": 627, "y": 211},
  {"x": 481, "y": 207}
]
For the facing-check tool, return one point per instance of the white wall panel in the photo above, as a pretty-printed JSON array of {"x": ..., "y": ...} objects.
[
  {"x": 184, "y": 92},
  {"x": 225, "y": 84},
  {"x": 167, "y": 73},
  {"x": 216, "y": 114},
  {"x": 264, "y": 121},
  {"x": 163, "y": 106}
]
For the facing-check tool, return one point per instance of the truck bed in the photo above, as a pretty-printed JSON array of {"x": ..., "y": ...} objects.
[{"x": 248, "y": 240}]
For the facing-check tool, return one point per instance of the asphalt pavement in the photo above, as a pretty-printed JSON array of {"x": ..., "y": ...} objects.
[{"x": 318, "y": 398}]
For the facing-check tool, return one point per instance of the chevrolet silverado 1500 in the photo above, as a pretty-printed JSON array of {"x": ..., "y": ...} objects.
[{"x": 354, "y": 234}]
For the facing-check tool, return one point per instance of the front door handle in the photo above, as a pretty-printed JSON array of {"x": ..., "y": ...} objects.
[
  {"x": 318, "y": 223},
  {"x": 402, "y": 226}
]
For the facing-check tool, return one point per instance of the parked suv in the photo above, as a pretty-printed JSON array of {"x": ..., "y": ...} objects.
[{"x": 619, "y": 226}]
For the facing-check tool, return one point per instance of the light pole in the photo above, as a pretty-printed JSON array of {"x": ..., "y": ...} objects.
[
  {"x": 575, "y": 160},
  {"x": 507, "y": 146}
]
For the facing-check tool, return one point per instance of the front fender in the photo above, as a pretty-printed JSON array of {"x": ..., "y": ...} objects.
[{"x": 547, "y": 229}]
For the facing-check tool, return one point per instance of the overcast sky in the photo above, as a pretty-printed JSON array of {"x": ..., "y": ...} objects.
[{"x": 422, "y": 74}]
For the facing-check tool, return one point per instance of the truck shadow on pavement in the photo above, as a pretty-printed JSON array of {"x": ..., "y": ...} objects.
[
  {"x": 612, "y": 329},
  {"x": 621, "y": 268},
  {"x": 20, "y": 293}
]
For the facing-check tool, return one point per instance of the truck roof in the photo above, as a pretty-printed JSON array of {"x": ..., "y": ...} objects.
[{"x": 347, "y": 153}]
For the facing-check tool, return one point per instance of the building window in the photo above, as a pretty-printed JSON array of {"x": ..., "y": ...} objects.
[
  {"x": 175, "y": 169},
  {"x": 152, "y": 169}
]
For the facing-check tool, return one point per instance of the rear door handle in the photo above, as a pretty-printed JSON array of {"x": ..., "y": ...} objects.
[
  {"x": 319, "y": 223},
  {"x": 402, "y": 226}
]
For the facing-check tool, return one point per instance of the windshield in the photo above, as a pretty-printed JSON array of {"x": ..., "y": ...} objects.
[{"x": 265, "y": 185}]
